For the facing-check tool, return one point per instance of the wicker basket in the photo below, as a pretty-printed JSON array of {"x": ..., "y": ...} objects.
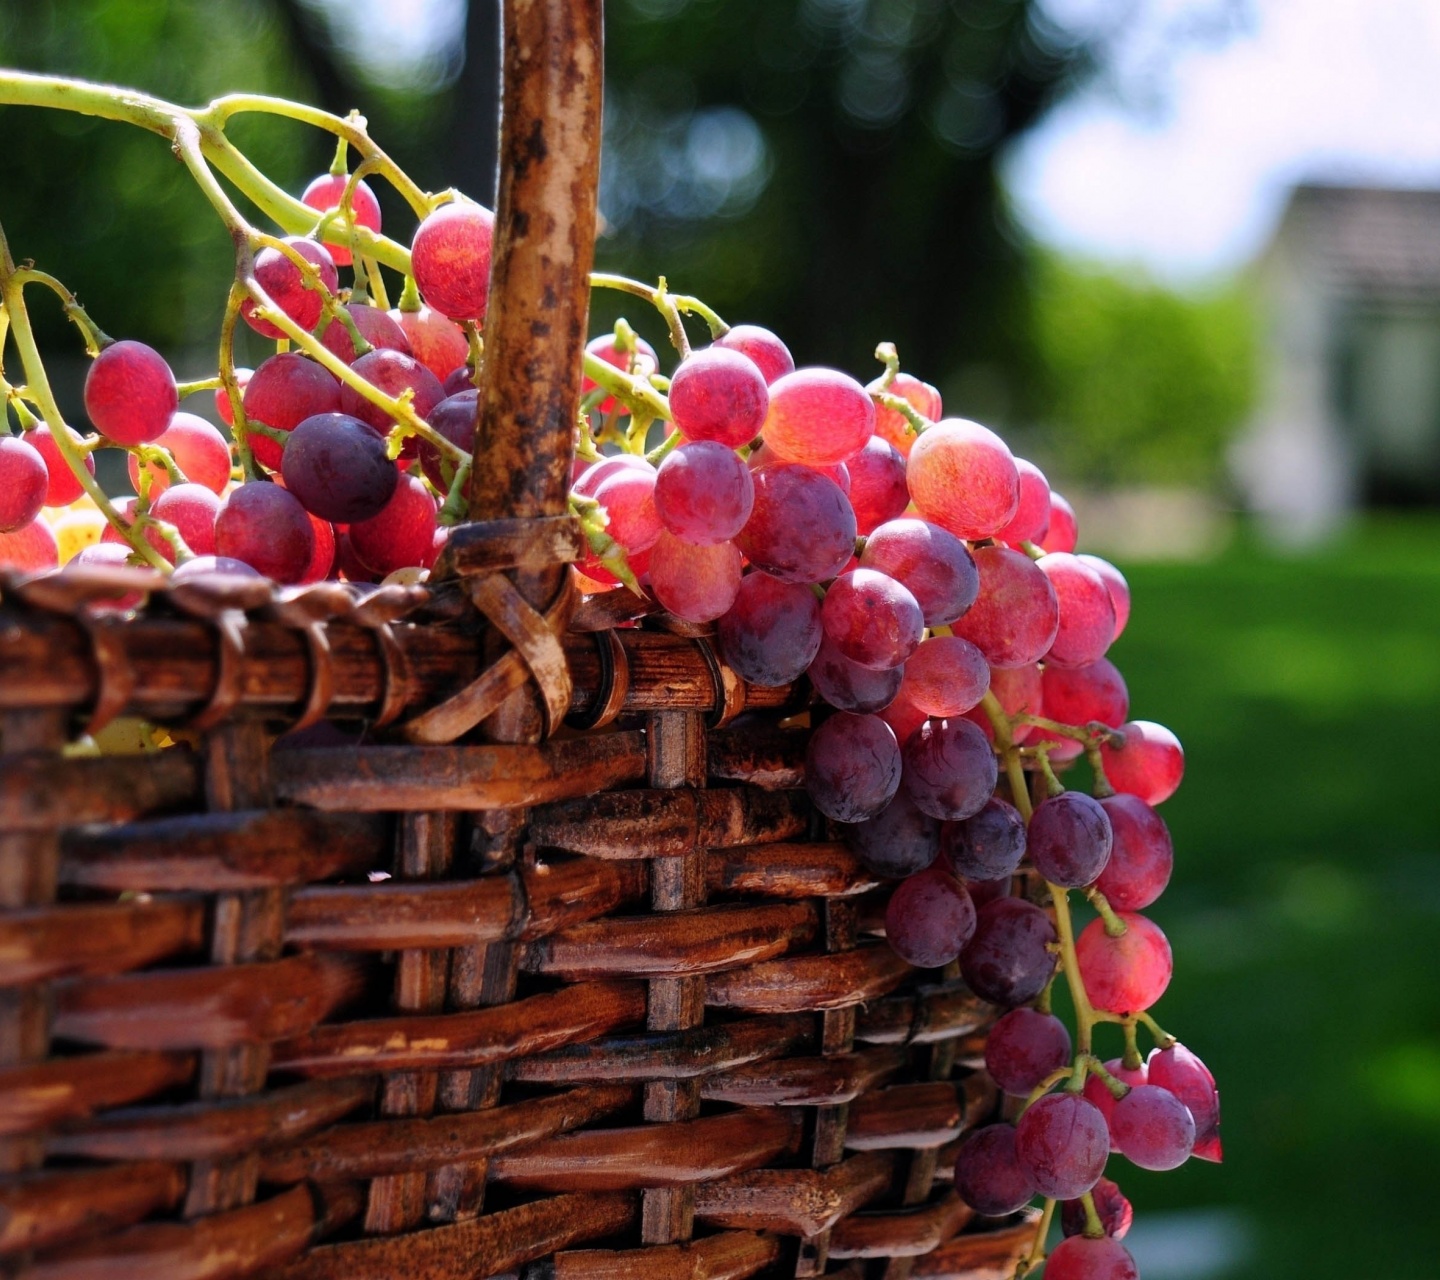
[{"x": 549, "y": 970}]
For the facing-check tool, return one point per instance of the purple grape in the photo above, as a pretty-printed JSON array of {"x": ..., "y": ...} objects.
[
  {"x": 950, "y": 769},
  {"x": 852, "y": 767},
  {"x": 801, "y": 528},
  {"x": 703, "y": 492},
  {"x": 1181, "y": 1072},
  {"x": 1008, "y": 961},
  {"x": 872, "y": 619},
  {"x": 929, "y": 918},
  {"x": 847, "y": 685},
  {"x": 931, "y": 563},
  {"x": 772, "y": 631},
  {"x": 987, "y": 845},
  {"x": 1070, "y": 839},
  {"x": 988, "y": 1174},
  {"x": 453, "y": 418},
  {"x": 1081, "y": 1258},
  {"x": 266, "y": 527},
  {"x": 337, "y": 467},
  {"x": 897, "y": 841},
  {"x": 877, "y": 484},
  {"x": 1023, "y": 1048},
  {"x": 1152, "y": 1128},
  {"x": 1063, "y": 1142}
]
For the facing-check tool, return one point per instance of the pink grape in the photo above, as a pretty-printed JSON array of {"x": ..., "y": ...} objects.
[
  {"x": 772, "y": 631},
  {"x": 1032, "y": 516},
  {"x": 770, "y": 355},
  {"x": 1063, "y": 1141},
  {"x": 946, "y": 676},
  {"x": 392, "y": 372},
  {"x": 130, "y": 393},
  {"x": 1081, "y": 1258},
  {"x": 1087, "y": 617},
  {"x": 818, "y": 417},
  {"x": 1111, "y": 1206},
  {"x": 588, "y": 482},
  {"x": 1008, "y": 961},
  {"x": 268, "y": 529},
  {"x": 933, "y": 565},
  {"x": 963, "y": 478},
  {"x": 878, "y": 491},
  {"x": 1099, "y": 1092},
  {"x": 1126, "y": 974},
  {"x": 1153, "y": 1129},
  {"x": 872, "y": 619},
  {"x": 929, "y": 919},
  {"x": 222, "y": 396},
  {"x": 989, "y": 1176},
  {"x": 847, "y": 685},
  {"x": 1115, "y": 584},
  {"x": 950, "y": 770},
  {"x": 1143, "y": 856},
  {"x": 703, "y": 492},
  {"x": 988, "y": 844},
  {"x": 450, "y": 259},
  {"x": 904, "y": 717},
  {"x": 453, "y": 418},
  {"x": 852, "y": 767},
  {"x": 1062, "y": 533},
  {"x": 893, "y": 426},
  {"x": 1181, "y": 1072},
  {"x": 109, "y": 555},
  {"x": 24, "y": 482},
  {"x": 1016, "y": 615},
  {"x": 325, "y": 193},
  {"x": 1017, "y": 690},
  {"x": 199, "y": 450},
  {"x": 439, "y": 344},
  {"x": 284, "y": 283},
  {"x": 284, "y": 391},
  {"x": 628, "y": 496},
  {"x": 62, "y": 488},
  {"x": 1150, "y": 764},
  {"x": 1024, "y": 1047},
  {"x": 640, "y": 363},
  {"x": 897, "y": 841},
  {"x": 697, "y": 583},
  {"x": 718, "y": 395},
  {"x": 1070, "y": 839},
  {"x": 377, "y": 328},
  {"x": 337, "y": 467},
  {"x": 1078, "y": 695},
  {"x": 801, "y": 528},
  {"x": 765, "y": 456},
  {"x": 192, "y": 509},
  {"x": 29, "y": 549},
  {"x": 402, "y": 535}
]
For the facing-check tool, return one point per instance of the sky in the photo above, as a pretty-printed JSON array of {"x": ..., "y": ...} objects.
[{"x": 1180, "y": 163}]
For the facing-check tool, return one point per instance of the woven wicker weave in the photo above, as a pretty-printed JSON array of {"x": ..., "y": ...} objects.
[{"x": 554, "y": 973}]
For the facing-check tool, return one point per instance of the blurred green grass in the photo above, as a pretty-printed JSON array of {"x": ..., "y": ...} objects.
[{"x": 1306, "y": 896}]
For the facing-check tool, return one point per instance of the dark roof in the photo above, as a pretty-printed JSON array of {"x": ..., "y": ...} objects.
[{"x": 1368, "y": 240}]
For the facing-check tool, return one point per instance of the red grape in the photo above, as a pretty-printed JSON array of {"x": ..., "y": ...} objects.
[
  {"x": 324, "y": 193},
  {"x": 450, "y": 259},
  {"x": 24, "y": 482},
  {"x": 929, "y": 919},
  {"x": 852, "y": 767},
  {"x": 628, "y": 496},
  {"x": 703, "y": 492},
  {"x": 893, "y": 426},
  {"x": 765, "y": 456},
  {"x": 222, "y": 396},
  {"x": 988, "y": 844},
  {"x": 1070, "y": 839},
  {"x": 988, "y": 1175},
  {"x": 1078, "y": 695},
  {"x": 1063, "y": 1141},
  {"x": 199, "y": 450},
  {"x": 1024, "y": 1047},
  {"x": 1062, "y": 533},
  {"x": 402, "y": 535},
  {"x": 818, "y": 417},
  {"x": 130, "y": 393},
  {"x": 199, "y": 566},
  {"x": 349, "y": 566},
  {"x": 284, "y": 282},
  {"x": 1099, "y": 1092},
  {"x": 1149, "y": 765},
  {"x": 439, "y": 344},
  {"x": 377, "y": 328},
  {"x": 945, "y": 676},
  {"x": 718, "y": 395},
  {"x": 1143, "y": 857},
  {"x": 1009, "y": 961},
  {"x": 323, "y": 558},
  {"x": 1111, "y": 1207},
  {"x": 392, "y": 372},
  {"x": 772, "y": 631},
  {"x": 897, "y": 841},
  {"x": 878, "y": 491},
  {"x": 284, "y": 391},
  {"x": 696, "y": 583},
  {"x": 903, "y": 716},
  {"x": 963, "y": 477},
  {"x": 1032, "y": 517},
  {"x": 933, "y": 565},
  {"x": 1116, "y": 585},
  {"x": 460, "y": 378},
  {"x": 872, "y": 619},
  {"x": 847, "y": 685},
  {"x": 1152, "y": 1128},
  {"x": 770, "y": 355},
  {"x": 29, "y": 549},
  {"x": 1087, "y": 617},
  {"x": 1125, "y": 974},
  {"x": 1081, "y": 1258},
  {"x": 588, "y": 482},
  {"x": 801, "y": 528},
  {"x": 950, "y": 770},
  {"x": 640, "y": 363},
  {"x": 453, "y": 418},
  {"x": 268, "y": 529},
  {"x": 62, "y": 488},
  {"x": 337, "y": 466},
  {"x": 1017, "y": 690},
  {"x": 1014, "y": 618},
  {"x": 192, "y": 509},
  {"x": 1181, "y": 1072}
]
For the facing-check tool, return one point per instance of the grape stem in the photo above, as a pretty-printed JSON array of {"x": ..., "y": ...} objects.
[
  {"x": 1162, "y": 1037},
  {"x": 1036, "y": 1254},
  {"x": 1094, "y": 1228},
  {"x": 667, "y": 303}
]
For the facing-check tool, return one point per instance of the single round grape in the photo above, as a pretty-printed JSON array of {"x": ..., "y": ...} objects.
[
  {"x": 1081, "y": 1258},
  {"x": 130, "y": 393},
  {"x": 1153, "y": 1128},
  {"x": 1099, "y": 1092},
  {"x": 453, "y": 418},
  {"x": 1087, "y": 617},
  {"x": 718, "y": 395},
  {"x": 460, "y": 378},
  {"x": 772, "y": 631},
  {"x": 588, "y": 482},
  {"x": 1115, "y": 584},
  {"x": 847, "y": 685},
  {"x": 878, "y": 491},
  {"x": 450, "y": 259},
  {"x": 639, "y": 363},
  {"x": 1032, "y": 516},
  {"x": 933, "y": 565},
  {"x": 322, "y": 559},
  {"x": 284, "y": 283},
  {"x": 946, "y": 676},
  {"x": 438, "y": 343},
  {"x": 963, "y": 478},
  {"x": 337, "y": 466},
  {"x": 872, "y": 619},
  {"x": 222, "y": 396},
  {"x": 770, "y": 355},
  {"x": 199, "y": 450},
  {"x": 903, "y": 716},
  {"x": 1184, "y": 1075},
  {"x": 62, "y": 488},
  {"x": 1016, "y": 689},
  {"x": 898, "y": 841},
  {"x": 1070, "y": 839},
  {"x": 192, "y": 509},
  {"x": 24, "y": 482},
  {"x": 988, "y": 844},
  {"x": 1063, "y": 530},
  {"x": 1142, "y": 858},
  {"x": 1064, "y": 1143},
  {"x": 268, "y": 529},
  {"x": 402, "y": 534},
  {"x": 697, "y": 583},
  {"x": 1008, "y": 961},
  {"x": 29, "y": 549},
  {"x": 950, "y": 769},
  {"x": 1024, "y": 1047},
  {"x": 1126, "y": 974},
  {"x": 765, "y": 456},
  {"x": 1149, "y": 765},
  {"x": 377, "y": 328},
  {"x": 628, "y": 496},
  {"x": 852, "y": 767},
  {"x": 201, "y": 566},
  {"x": 703, "y": 492},
  {"x": 1111, "y": 1207},
  {"x": 325, "y": 193},
  {"x": 929, "y": 919},
  {"x": 988, "y": 1175},
  {"x": 893, "y": 426},
  {"x": 1078, "y": 695},
  {"x": 801, "y": 528},
  {"x": 1015, "y": 616},
  {"x": 284, "y": 391},
  {"x": 392, "y": 372},
  {"x": 818, "y": 417}
]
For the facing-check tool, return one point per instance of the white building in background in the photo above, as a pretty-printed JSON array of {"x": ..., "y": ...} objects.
[{"x": 1349, "y": 290}]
